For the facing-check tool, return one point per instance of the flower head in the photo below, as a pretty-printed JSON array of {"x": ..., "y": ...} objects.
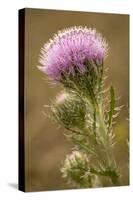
[{"x": 70, "y": 49}]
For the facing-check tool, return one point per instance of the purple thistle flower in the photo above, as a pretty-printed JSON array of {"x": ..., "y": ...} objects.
[{"x": 70, "y": 49}]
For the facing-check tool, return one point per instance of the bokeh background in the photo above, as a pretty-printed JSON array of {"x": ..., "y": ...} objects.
[{"x": 45, "y": 144}]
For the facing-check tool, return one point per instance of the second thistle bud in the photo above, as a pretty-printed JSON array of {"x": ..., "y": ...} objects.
[
  {"x": 77, "y": 170},
  {"x": 69, "y": 110}
]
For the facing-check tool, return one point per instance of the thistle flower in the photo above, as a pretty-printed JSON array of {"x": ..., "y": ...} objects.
[
  {"x": 75, "y": 58},
  {"x": 70, "y": 50}
]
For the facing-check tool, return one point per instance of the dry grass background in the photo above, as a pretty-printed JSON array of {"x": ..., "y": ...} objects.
[{"x": 45, "y": 144}]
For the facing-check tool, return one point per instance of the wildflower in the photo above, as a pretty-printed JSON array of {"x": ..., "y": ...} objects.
[
  {"x": 75, "y": 58},
  {"x": 70, "y": 50}
]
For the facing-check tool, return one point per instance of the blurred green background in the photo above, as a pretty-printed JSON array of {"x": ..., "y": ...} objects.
[{"x": 45, "y": 144}]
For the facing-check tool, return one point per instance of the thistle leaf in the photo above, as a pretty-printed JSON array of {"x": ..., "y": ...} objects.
[
  {"x": 112, "y": 105},
  {"x": 108, "y": 172}
]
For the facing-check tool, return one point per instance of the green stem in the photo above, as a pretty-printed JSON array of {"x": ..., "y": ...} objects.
[
  {"x": 107, "y": 147},
  {"x": 103, "y": 135}
]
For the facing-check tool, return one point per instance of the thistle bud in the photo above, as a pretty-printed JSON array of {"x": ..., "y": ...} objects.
[
  {"x": 69, "y": 110},
  {"x": 76, "y": 170}
]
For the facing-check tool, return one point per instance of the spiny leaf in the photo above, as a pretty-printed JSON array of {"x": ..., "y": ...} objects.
[
  {"x": 84, "y": 147},
  {"x": 112, "y": 105},
  {"x": 119, "y": 108},
  {"x": 108, "y": 172},
  {"x": 94, "y": 123}
]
